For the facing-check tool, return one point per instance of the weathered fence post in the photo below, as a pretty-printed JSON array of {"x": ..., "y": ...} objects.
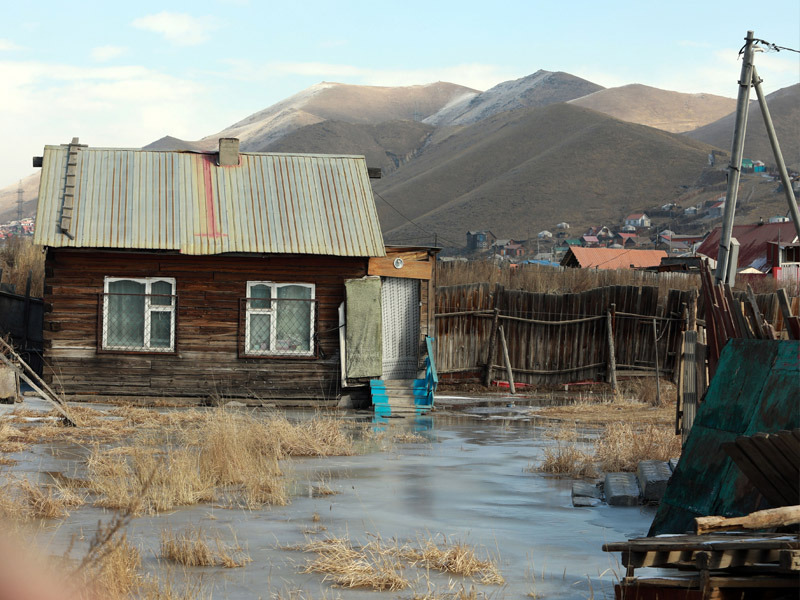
[
  {"x": 507, "y": 360},
  {"x": 487, "y": 376},
  {"x": 658, "y": 374},
  {"x": 612, "y": 360},
  {"x": 692, "y": 310}
]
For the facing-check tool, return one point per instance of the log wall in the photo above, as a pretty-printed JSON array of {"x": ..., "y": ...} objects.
[{"x": 206, "y": 363}]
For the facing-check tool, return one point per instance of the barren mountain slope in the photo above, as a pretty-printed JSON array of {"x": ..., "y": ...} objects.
[
  {"x": 671, "y": 111},
  {"x": 520, "y": 172},
  {"x": 539, "y": 89},
  {"x": 340, "y": 102},
  {"x": 784, "y": 107},
  {"x": 30, "y": 194},
  {"x": 386, "y": 145}
]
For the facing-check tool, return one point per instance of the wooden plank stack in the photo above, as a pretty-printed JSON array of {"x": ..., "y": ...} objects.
[{"x": 713, "y": 565}]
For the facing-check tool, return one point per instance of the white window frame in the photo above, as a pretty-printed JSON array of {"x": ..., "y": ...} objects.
[
  {"x": 273, "y": 322},
  {"x": 149, "y": 309}
]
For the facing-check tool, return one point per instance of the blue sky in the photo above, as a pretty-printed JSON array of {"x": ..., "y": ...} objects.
[{"x": 124, "y": 75}]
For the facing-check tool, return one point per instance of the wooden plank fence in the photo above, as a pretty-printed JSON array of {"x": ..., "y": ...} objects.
[
  {"x": 558, "y": 338},
  {"x": 562, "y": 338}
]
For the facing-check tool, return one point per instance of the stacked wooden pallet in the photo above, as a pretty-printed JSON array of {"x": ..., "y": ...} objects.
[{"x": 715, "y": 565}]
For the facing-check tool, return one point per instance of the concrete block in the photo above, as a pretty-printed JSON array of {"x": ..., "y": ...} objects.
[
  {"x": 621, "y": 489},
  {"x": 673, "y": 462},
  {"x": 8, "y": 385},
  {"x": 653, "y": 476},
  {"x": 584, "y": 501},
  {"x": 584, "y": 489}
]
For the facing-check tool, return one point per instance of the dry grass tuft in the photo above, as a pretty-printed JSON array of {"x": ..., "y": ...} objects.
[
  {"x": 457, "y": 558},
  {"x": 115, "y": 575},
  {"x": 192, "y": 548},
  {"x": 320, "y": 436},
  {"x": 146, "y": 481},
  {"x": 236, "y": 450},
  {"x": 18, "y": 256},
  {"x": 369, "y": 567},
  {"x": 566, "y": 458},
  {"x": 379, "y": 565},
  {"x": 622, "y": 447},
  {"x": 409, "y": 438},
  {"x": 643, "y": 389},
  {"x": 536, "y": 278},
  {"x": 10, "y": 439}
]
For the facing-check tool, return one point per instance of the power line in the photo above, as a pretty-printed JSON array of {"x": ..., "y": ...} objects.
[{"x": 414, "y": 223}]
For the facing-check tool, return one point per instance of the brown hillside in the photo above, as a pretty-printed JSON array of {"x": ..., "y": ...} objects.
[
  {"x": 30, "y": 194},
  {"x": 671, "y": 111},
  {"x": 520, "y": 172},
  {"x": 784, "y": 107},
  {"x": 340, "y": 102},
  {"x": 386, "y": 145}
]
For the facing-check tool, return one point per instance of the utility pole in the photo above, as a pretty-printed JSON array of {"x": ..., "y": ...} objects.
[
  {"x": 776, "y": 150},
  {"x": 735, "y": 166}
]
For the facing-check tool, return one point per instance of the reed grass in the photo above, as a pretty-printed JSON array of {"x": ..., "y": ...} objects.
[
  {"x": 622, "y": 446},
  {"x": 380, "y": 565},
  {"x": 542, "y": 279},
  {"x": 142, "y": 480},
  {"x": 456, "y": 558},
  {"x": 191, "y": 547},
  {"x": 18, "y": 257}
]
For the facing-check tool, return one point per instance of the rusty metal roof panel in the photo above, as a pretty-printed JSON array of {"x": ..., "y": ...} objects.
[
  {"x": 614, "y": 258},
  {"x": 157, "y": 200}
]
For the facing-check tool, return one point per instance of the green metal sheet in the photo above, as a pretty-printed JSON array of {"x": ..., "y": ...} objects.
[{"x": 756, "y": 389}]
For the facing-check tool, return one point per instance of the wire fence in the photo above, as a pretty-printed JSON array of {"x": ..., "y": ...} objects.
[
  {"x": 138, "y": 322},
  {"x": 278, "y": 327}
]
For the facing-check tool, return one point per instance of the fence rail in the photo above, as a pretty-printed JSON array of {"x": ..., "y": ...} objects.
[{"x": 561, "y": 338}]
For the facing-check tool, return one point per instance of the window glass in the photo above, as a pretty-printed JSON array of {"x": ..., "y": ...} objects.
[
  {"x": 161, "y": 289},
  {"x": 260, "y": 291},
  {"x": 160, "y": 328},
  {"x": 293, "y": 319},
  {"x": 138, "y": 315},
  {"x": 125, "y": 327},
  {"x": 259, "y": 334}
]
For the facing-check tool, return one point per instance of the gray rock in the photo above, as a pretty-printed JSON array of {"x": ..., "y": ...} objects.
[
  {"x": 235, "y": 404},
  {"x": 582, "y": 501},
  {"x": 621, "y": 489},
  {"x": 653, "y": 477},
  {"x": 346, "y": 401},
  {"x": 584, "y": 489}
]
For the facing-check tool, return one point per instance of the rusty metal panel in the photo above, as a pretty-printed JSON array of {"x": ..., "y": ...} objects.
[{"x": 269, "y": 203}]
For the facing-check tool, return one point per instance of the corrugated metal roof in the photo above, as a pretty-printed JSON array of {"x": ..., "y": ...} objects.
[
  {"x": 614, "y": 258},
  {"x": 165, "y": 200},
  {"x": 752, "y": 241}
]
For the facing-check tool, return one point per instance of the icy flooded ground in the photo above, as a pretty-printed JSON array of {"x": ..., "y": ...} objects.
[{"x": 466, "y": 482}]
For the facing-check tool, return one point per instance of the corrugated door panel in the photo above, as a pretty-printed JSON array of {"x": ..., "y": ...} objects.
[{"x": 400, "y": 301}]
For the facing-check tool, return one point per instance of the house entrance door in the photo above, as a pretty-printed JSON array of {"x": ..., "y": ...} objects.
[{"x": 400, "y": 308}]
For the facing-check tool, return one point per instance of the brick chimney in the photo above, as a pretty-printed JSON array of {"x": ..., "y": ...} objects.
[{"x": 228, "y": 152}]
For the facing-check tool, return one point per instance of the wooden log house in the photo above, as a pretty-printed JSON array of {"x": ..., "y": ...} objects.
[{"x": 174, "y": 275}]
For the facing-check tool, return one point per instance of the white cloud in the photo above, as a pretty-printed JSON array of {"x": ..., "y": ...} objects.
[
  {"x": 106, "y": 53},
  {"x": 8, "y": 45},
  {"x": 178, "y": 28},
  {"x": 49, "y": 103}
]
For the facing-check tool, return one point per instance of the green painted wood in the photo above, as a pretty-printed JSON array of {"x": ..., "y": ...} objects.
[{"x": 756, "y": 388}]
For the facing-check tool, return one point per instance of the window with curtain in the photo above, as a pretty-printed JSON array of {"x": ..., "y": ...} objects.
[
  {"x": 139, "y": 314},
  {"x": 279, "y": 319}
]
